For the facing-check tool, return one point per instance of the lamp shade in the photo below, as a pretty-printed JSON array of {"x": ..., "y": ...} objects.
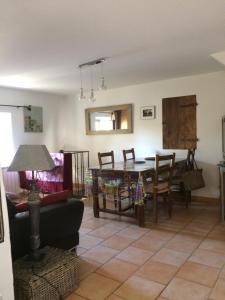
[{"x": 32, "y": 158}]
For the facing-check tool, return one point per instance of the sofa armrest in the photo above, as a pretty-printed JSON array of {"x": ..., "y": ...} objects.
[
  {"x": 60, "y": 220},
  {"x": 57, "y": 222}
]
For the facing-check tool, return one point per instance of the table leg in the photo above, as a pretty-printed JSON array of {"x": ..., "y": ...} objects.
[
  {"x": 140, "y": 215},
  {"x": 155, "y": 208},
  {"x": 95, "y": 194}
]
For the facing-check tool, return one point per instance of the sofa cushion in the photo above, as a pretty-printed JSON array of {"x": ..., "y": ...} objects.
[
  {"x": 47, "y": 200},
  {"x": 55, "y": 198},
  {"x": 20, "y": 207}
]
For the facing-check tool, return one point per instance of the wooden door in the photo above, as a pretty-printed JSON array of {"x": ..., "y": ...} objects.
[{"x": 179, "y": 122}]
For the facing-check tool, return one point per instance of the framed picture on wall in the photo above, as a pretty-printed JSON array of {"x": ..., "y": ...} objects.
[
  {"x": 33, "y": 119},
  {"x": 148, "y": 112}
]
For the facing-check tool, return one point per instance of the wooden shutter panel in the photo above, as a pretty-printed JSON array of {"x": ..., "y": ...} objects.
[{"x": 179, "y": 122}]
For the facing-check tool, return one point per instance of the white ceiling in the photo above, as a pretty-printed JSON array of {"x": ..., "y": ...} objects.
[{"x": 43, "y": 41}]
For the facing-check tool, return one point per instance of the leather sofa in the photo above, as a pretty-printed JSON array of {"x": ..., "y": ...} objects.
[{"x": 59, "y": 227}]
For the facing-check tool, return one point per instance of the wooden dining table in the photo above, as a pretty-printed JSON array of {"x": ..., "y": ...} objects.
[{"x": 127, "y": 171}]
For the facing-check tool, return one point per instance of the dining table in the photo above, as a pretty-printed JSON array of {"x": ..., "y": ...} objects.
[{"x": 129, "y": 171}]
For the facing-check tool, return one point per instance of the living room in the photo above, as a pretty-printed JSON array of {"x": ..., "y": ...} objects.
[{"x": 153, "y": 51}]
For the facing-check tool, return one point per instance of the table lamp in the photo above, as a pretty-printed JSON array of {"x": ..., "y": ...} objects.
[{"x": 33, "y": 158}]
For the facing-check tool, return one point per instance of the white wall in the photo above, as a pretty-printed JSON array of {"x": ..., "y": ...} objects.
[
  {"x": 6, "y": 282},
  {"x": 147, "y": 136},
  {"x": 50, "y": 104},
  {"x": 49, "y": 137}
]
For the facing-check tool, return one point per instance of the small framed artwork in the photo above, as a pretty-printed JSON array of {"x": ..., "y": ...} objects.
[
  {"x": 148, "y": 112},
  {"x": 33, "y": 119}
]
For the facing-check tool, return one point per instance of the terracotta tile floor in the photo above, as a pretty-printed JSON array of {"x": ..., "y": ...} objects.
[{"x": 178, "y": 259}]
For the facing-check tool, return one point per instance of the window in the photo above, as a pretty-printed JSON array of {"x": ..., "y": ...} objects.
[
  {"x": 103, "y": 123},
  {"x": 6, "y": 139}
]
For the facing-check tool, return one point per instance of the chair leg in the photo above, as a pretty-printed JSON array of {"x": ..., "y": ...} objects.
[
  {"x": 187, "y": 198},
  {"x": 115, "y": 198},
  {"x": 165, "y": 198},
  {"x": 170, "y": 205},
  {"x": 104, "y": 200},
  {"x": 155, "y": 208},
  {"x": 119, "y": 202}
]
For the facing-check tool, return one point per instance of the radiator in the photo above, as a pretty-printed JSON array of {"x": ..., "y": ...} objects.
[{"x": 11, "y": 181}]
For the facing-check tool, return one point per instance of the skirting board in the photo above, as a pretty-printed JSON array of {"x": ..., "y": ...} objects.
[{"x": 208, "y": 200}]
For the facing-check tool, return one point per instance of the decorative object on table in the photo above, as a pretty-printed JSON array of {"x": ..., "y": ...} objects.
[
  {"x": 1, "y": 219},
  {"x": 33, "y": 158},
  {"x": 152, "y": 158},
  {"x": 109, "y": 119},
  {"x": 148, "y": 112},
  {"x": 33, "y": 119},
  {"x": 54, "y": 278},
  {"x": 90, "y": 65},
  {"x": 139, "y": 162}
]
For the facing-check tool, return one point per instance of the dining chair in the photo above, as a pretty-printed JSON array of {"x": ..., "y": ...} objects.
[
  {"x": 106, "y": 158},
  {"x": 128, "y": 154},
  {"x": 178, "y": 186},
  {"x": 162, "y": 179},
  {"x": 112, "y": 185}
]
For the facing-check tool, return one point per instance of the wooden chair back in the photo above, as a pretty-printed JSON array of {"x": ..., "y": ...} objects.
[
  {"x": 106, "y": 158},
  {"x": 127, "y": 153},
  {"x": 164, "y": 166}
]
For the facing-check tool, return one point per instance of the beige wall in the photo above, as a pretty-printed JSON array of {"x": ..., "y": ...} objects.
[{"x": 147, "y": 136}]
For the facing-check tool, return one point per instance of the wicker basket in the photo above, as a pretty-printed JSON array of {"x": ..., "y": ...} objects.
[{"x": 53, "y": 278}]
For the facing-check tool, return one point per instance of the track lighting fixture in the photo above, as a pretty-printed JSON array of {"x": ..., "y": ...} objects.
[{"x": 102, "y": 86}]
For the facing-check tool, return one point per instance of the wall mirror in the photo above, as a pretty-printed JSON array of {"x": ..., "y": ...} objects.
[{"x": 109, "y": 119}]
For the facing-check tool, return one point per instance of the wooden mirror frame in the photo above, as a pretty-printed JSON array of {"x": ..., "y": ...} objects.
[{"x": 127, "y": 107}]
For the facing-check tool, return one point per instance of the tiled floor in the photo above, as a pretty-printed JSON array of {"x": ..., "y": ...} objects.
[{"x": 182, "y": 258}]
